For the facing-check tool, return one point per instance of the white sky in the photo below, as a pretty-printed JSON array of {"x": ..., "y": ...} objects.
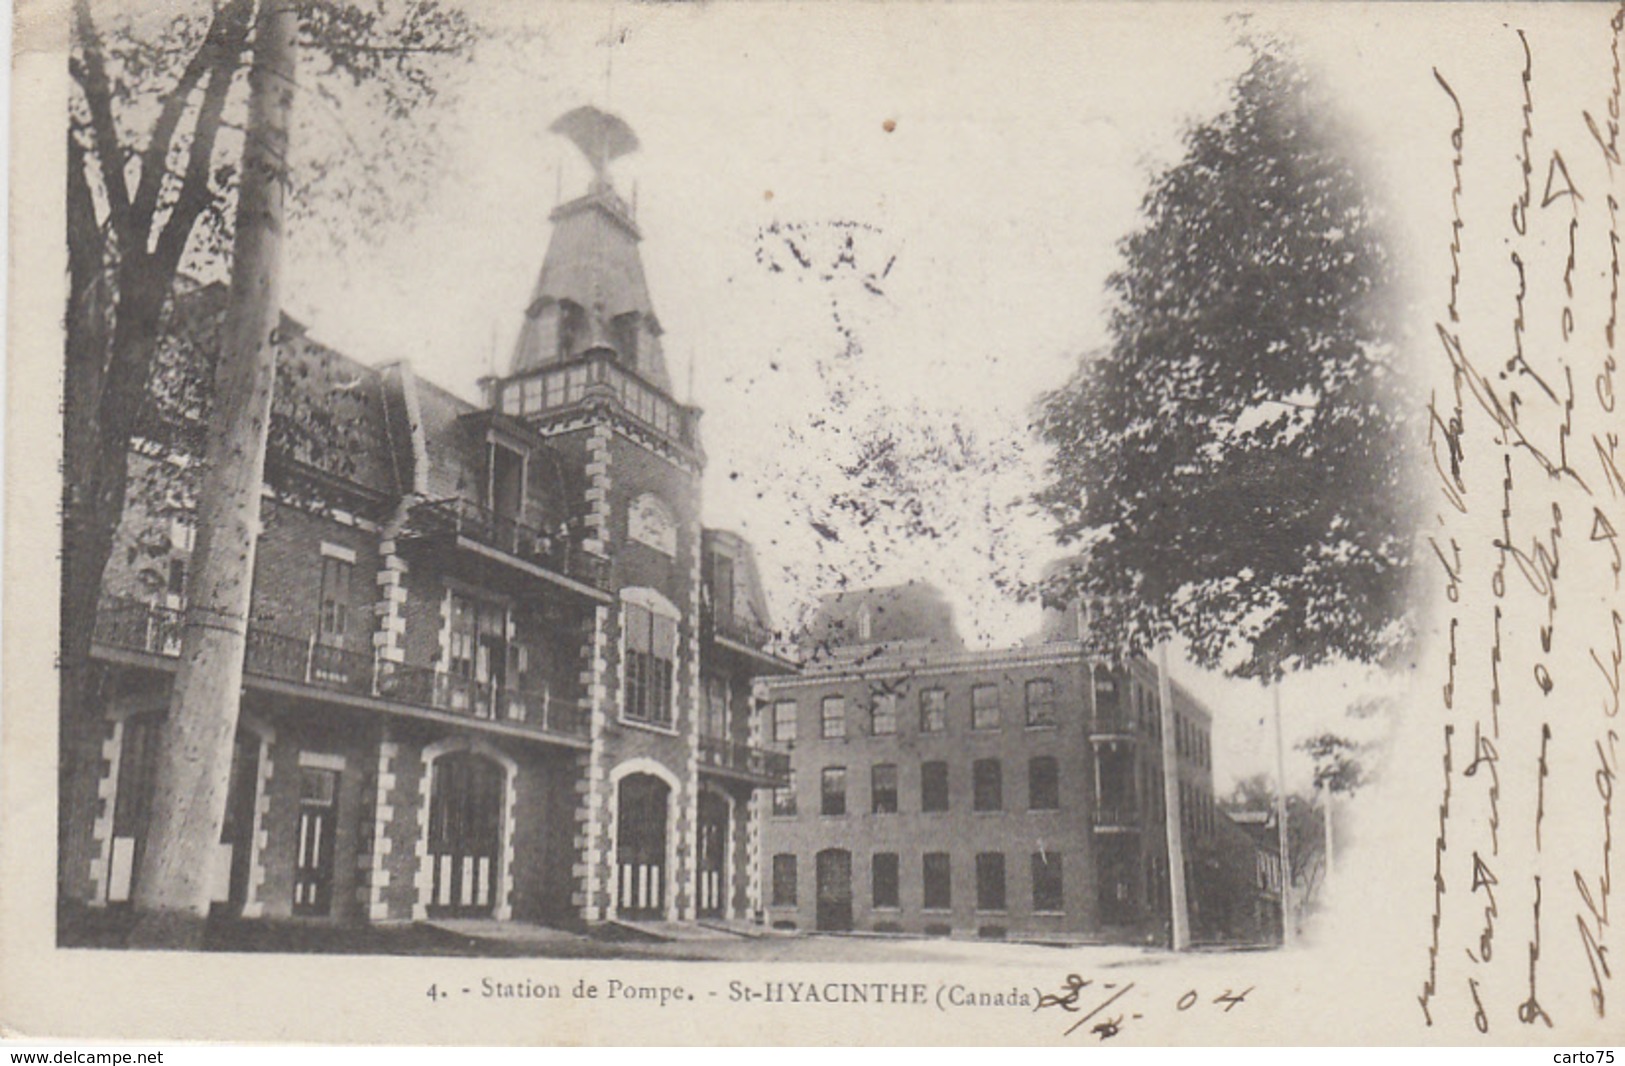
[{"x": 1025, "y": 136}]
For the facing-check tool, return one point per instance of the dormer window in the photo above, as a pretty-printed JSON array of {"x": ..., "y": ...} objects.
[
  {"x": 624, "y": 330},
  {"x": 572, "y": 327},
  {"x": 505, "y": 485}
]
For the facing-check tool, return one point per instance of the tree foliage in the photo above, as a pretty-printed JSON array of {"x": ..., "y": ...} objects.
[{"x": 1234, "y": 467}]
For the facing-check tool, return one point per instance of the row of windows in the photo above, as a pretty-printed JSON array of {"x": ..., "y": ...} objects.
[
  {"x": 936, "y": 881},
  {"x": 987, "y": 787},
  {"x": 985, "y": 711}
]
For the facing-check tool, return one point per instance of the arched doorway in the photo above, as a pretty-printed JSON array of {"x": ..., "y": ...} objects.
[
  {"x": 713, "y": 855},
  {"x": 465, "y": 834},
  {"x": 640, "y": 847},
  {"x": 834, "y": 890}
]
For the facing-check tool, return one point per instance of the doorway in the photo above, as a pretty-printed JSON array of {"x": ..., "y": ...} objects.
[
  {"x": 834, "y": 890},
  {"x": 640, "y": 847},
  {"x": 465, "y": 834},
  {"x": 713, "y": 855}
]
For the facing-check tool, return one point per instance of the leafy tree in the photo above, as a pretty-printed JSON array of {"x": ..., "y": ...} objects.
[
  {"x": 1337, "y": 765},
  {"x": 1234, "y": 466},
  {"x": 154, "y": 141}
]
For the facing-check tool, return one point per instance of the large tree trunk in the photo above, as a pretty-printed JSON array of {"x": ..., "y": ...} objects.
[
  {"x": 194, "y": 767},
  {"x": 113, "y": 323},
  {"x": 105, "y": 381}
]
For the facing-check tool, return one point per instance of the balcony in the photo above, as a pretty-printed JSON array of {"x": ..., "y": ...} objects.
[
  {"x": 758, "y": 766},
  {"x": 486, "y": 533},
  {"x": 1108, "y": 725},
  {"x": 748, "y": 640},
  {"x": 127, "y": 627},
  {"x": 1117, "y": 818}
]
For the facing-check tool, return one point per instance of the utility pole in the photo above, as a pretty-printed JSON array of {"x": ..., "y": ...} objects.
[
  {"x": 194, "y": 763},
  {"x": 1331, "y": 855},
  {"x": 1170, "y": 795},
  {"x": 1288, "y": 933}
]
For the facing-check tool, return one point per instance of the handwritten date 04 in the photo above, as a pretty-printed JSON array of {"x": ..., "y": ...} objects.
[{"x": 1094, "y": 999}]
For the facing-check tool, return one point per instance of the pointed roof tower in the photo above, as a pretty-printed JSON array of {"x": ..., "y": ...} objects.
[{"x": 591, "y": 295}]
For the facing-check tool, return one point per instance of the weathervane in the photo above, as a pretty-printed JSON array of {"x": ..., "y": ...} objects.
[{"x": 601, "y": 136}]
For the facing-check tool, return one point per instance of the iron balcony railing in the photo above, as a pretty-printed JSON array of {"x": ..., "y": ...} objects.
[
  {"x": 741, "y": 630},
  {"x": 1113, "y": 723},
  {"x": 725, "y": 754},
  {"x": 132, "y": 625},
  {"x": 1117, "y": 816},
  {"x": 552, "y": 551}
]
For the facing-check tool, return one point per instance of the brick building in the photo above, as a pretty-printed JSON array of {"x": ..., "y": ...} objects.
[
  {"x": 495, "y": 665},
  {"x": 1013, "y": 792}
]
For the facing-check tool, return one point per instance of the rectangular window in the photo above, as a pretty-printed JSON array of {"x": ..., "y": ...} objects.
[
  {"x": 833, "y": 790},
  {"x": 533, "y": 395},
  {"x": 1043, "y": 784},
  {"x": 990, "y": 881},
  {"x": 934, "y": 786},
  {"x": 883, "y": 788},
  {"x": 883, "y": 715},
  {"x": 833, "y": 722},
  {"x": 784, "y": 722},
  {"x": 984, "y": 707},
  {"x": 1106, "y": 701},
  {"x": 334, "y": 623},
  {"x": 510, "y": 400},
  {"x": 1048, "y": 896},
  {"x": 938, "y": 884},
  {"x": 987, "y": 785},
  {"x": 883, "y": 879},
  {"x": 784, "y": 799},
  {"x": 651, "y": 647},
  {"x": 1041, "y": 702},
  {"x": 784, "y": 880},
  {"x": 933, "y": 710},
  {"x": 715, "y": 722}
]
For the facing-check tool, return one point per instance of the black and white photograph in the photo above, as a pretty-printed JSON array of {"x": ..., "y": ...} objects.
[{"x": 623, "y": 522}]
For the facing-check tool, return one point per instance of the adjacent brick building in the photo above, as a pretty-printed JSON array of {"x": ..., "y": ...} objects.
[
  {"x": 495, "y": 666},
  {"x": 1013, "y": 792}
]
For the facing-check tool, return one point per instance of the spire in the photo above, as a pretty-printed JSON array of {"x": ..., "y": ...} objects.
[{"x": 592, "y": 295}]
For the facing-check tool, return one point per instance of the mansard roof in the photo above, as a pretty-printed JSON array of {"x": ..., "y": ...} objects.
[{"x": 328, "y": 415}]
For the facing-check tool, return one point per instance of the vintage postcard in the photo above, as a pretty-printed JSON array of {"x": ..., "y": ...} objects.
[{"x": 1036, "y": 523}]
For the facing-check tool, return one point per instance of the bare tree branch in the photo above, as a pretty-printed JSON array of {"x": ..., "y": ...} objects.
[
  {"x": 91, "y": 75},
  {"x": 216, "y": 51},
  {"x": 195, "y": 195}
]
